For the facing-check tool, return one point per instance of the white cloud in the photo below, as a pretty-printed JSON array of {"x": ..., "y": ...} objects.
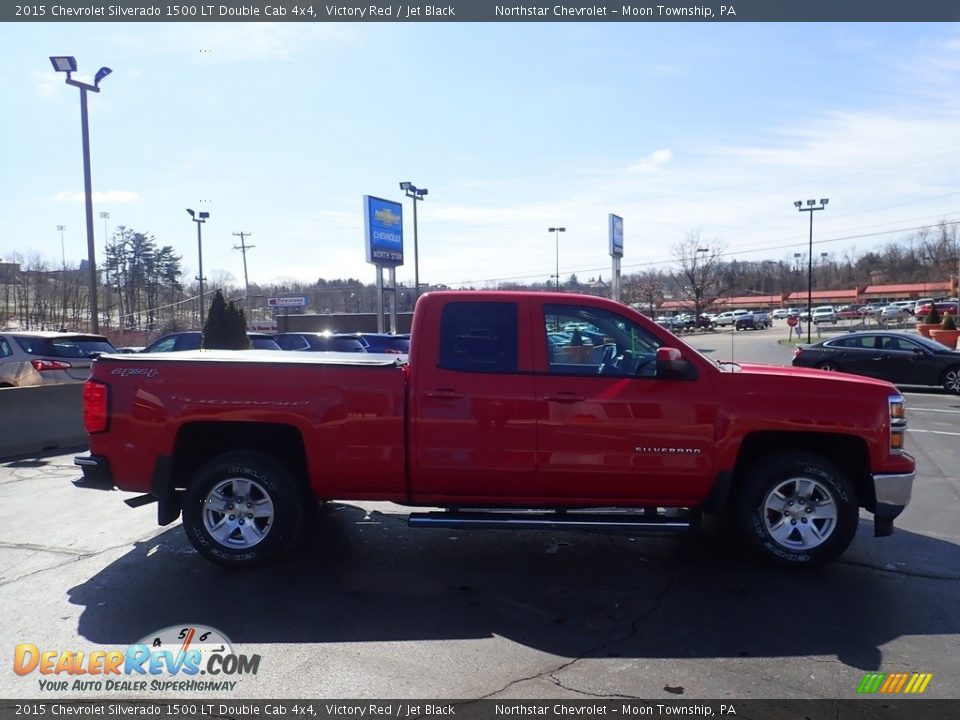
[
  {"x": 653, "y": 161},
  {"x": 110, "y": 196}
]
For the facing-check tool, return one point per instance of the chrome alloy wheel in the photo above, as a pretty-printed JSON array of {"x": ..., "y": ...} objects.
[
  {"x": 951, "y": 380},
  {"x": 238, "y": 512},
  {"x": 800, "y": 513}
]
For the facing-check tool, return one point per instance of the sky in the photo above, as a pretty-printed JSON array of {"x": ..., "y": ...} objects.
[{"x": 280, "y": 129}]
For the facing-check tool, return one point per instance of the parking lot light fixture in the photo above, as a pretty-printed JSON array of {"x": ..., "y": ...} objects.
[
  {"x": 416, "y": 194},
  {"x": 68, "y": 65},
  {"x": 199, "y": 219},
  {"x": 811, "y": 207},
  {"x": 556, "y": 233}
]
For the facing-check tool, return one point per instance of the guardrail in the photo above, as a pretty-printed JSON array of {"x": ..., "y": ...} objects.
[{"x": 45, "y": 417}]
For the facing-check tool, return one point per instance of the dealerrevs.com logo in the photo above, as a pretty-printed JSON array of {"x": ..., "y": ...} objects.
[{"x": 180, "y": 658}]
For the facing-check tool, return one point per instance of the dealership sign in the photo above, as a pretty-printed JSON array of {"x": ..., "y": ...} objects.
[
  {"x": 383, "y": 230},
  {"x": 616, "y": 236},
  {"x": 286, "y": 301}
]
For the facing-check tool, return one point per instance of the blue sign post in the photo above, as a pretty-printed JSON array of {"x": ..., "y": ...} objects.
[
  {"x": 383, "y": 230},
  {"x": 383, "y": 234},
  {"x": 616, "y": 252}
]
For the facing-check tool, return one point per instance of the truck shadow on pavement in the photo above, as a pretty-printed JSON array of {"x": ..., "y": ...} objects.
[{"x": 360, "y": 577}]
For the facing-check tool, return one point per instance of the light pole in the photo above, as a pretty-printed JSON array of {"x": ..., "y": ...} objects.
[
  {"x": 415, "y": 193},
  {"x": 63, "y": 274},
  {"x": 68, "y": 64},
  {"x": 200, "y": 219},
  {"x": 106, "y": 239},
  {"x": 63, "y": 252},
  {"x": 556, "y": 234},
  {"x": 810, "y": 207}
]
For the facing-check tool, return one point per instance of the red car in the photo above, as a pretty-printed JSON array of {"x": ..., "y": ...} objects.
[{"x": 943, "y": 307}]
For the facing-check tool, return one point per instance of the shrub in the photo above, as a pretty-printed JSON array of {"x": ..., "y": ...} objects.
[
  {"x": 933, "y": 317},
  {"x": 948, "y": 323}
]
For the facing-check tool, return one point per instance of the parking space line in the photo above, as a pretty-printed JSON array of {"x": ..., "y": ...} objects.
[
  {"x": 932, "y": 432},
  {"x": 916, "y": 409}
]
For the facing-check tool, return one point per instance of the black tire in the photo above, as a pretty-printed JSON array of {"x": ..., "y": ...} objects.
[
  {"x": 275, "y": 503},
  {"x": 785, "y": 503},
  {"x": 829, "y": 366}
]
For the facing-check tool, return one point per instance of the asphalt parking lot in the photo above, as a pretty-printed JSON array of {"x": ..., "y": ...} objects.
[{"x": 369, "y": 608}]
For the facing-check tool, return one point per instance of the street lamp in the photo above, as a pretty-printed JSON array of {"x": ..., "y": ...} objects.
[
  {"x": 68, "y": 64},
  {"x": 63, "y": 252},
  {"x": 556, "y": 233},
  {"x": 106, "y": 240},
  {"x": 415, "y": 193},
  {"x": 810, "y": 207},
  {"x": 199, "y": 219}
]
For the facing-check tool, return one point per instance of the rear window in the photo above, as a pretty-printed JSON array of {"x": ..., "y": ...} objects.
[
  {"x": 479, "y": 337},
  {"x": 264, "y": 343},
  {"x": 79, "y": 347}
]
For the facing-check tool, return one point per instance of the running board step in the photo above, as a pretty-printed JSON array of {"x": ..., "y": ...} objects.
[{"x": 481, "y": 520}]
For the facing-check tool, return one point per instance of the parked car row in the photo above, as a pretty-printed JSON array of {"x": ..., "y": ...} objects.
[
  {"x": 29, "y": 358},
  {"x": 295, "y": 341}
]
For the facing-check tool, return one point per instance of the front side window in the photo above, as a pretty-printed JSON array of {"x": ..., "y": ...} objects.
[
  {"x": 479, "y": 337},
  {"x": 585, "y": 340}
]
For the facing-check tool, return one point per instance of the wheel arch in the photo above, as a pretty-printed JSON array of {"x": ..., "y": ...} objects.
[
  {"x": 848, "y": 452},
  {"x": 198, "y": 442}
]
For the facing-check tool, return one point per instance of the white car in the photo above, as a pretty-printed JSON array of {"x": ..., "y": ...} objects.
[
  {"x": 824, "y": 315},
  {"x": 729, "y": 317},
  {"x": 894, "y": 313},
  {"x": 781, "y": 313}
]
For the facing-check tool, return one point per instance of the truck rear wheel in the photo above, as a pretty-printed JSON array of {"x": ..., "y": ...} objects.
[
  {"x": 797, "y": 510},
  {"x": 242, "y": 508}
]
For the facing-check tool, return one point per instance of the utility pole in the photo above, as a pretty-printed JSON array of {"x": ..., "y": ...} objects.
[{"x": 243, "y": 247}]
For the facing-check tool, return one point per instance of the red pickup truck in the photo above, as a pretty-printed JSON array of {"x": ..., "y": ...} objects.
[{"x": 512, "y": 410}]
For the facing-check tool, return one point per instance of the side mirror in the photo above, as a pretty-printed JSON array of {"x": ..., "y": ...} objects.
[{"x": 670, "y": 364}]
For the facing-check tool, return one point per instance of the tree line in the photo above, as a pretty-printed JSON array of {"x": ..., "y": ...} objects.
[{"x": 143, "y": 289}]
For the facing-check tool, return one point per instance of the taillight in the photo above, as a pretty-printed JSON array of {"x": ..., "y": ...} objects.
[
  {"x": 796, "y": 351},
  {"x": 42, "y": 365},
  {"x": 95, "y": 406}
]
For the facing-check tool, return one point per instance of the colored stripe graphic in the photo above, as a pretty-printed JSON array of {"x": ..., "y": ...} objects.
[
  {"x": 894, "y": 683},
  {"x": 870, "y": 683}
]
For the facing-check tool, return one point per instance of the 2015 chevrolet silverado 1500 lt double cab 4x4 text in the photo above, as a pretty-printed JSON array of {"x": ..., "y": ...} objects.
[{"x": 512, "y": 410}]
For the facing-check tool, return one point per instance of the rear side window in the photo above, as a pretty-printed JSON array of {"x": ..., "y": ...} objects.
[{"x": 479, "y": 337}]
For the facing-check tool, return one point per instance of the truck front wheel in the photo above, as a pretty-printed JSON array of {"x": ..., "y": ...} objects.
[
  {"x": 797, "y": 510},
  {"x": 242, "y": 508}
]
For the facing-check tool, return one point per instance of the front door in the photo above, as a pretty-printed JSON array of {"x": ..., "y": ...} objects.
[{"x": 609, "y": 431}]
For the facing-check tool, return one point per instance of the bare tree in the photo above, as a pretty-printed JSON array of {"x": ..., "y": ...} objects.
[{"x": 699, "y": 274}]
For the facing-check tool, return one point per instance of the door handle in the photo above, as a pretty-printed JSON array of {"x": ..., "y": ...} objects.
[
  {"x": 444, "y": 394},
  {"x": 564, "y": 397}
]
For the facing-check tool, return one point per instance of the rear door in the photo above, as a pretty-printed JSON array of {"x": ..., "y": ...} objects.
[{"x": 472, "y": 426}]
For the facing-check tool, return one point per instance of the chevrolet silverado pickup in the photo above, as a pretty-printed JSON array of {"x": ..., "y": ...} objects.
[{"x": 512, "y": 410}]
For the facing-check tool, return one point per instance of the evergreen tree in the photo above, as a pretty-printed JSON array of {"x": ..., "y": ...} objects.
[
  {"x": 236, "y": 329},
  {"x": 215, "y": 331}
]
